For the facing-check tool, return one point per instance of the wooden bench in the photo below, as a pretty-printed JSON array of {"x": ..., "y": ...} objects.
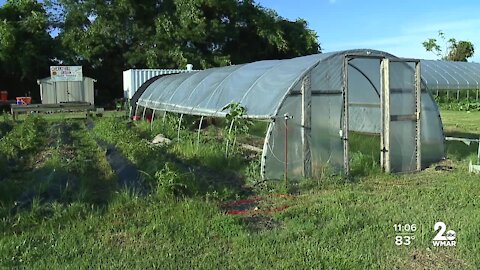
[{"x": 52, "y": 108}]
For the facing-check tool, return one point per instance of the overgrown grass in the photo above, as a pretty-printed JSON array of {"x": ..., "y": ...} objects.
[
  {"x": 365, "y": 154},
  {"x": 52, "y": 162},
  {"x": 338, "y": 226},
  {"x": 197, "y": 169},
  {"x": 330, "y": 223}
]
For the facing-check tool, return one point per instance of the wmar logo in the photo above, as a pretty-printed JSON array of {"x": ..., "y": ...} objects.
[{"x": 442, "y": 240}]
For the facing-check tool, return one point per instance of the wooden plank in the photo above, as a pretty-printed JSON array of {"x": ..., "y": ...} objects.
[
  {"x": 345, "y": 119},
  {"x": 418, "y": 108},
  {"x": 364, "y": 104},
  {"x": 307, "y": 126},
  {"x": 385, "y": 107},
  {"x": 406, "y": 117},
  {"x": 318, "y": 93},
  {"x": 16, "y": 109},
  {"x": 20, "y": 108}
]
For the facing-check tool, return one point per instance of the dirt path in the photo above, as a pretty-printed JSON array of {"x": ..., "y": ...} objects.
[{"x": 128, "y": 175}]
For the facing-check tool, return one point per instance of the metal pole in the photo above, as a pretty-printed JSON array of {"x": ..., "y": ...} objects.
[
  {"x": 143, "y": 115},
  {"x": 164, "y": 116},
  {"x": 198, "y": 133},
  {"x": 179, "y": 125},
  {"x": 151, "y": 123},
  {"x": 136, "y": 110}
]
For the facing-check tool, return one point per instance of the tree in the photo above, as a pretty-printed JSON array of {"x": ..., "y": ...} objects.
[
  {"x": 107, "y": 37},
  {"x": 26, "y": 48},
  {"x": 453, "y": 50}
]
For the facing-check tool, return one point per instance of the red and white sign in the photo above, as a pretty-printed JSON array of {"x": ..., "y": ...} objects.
[{"x": 66, "y": 73}]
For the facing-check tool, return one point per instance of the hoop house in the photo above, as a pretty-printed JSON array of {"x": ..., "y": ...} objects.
[{"x": 312, "y": 103}]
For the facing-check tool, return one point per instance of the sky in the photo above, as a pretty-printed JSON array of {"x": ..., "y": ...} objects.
[{"x": 396, "y": 26}]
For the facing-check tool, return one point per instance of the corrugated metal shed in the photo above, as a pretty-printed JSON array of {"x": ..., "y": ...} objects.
[
  {"x": 134, "y": 78},
  {"x": 54, "y": 92}
]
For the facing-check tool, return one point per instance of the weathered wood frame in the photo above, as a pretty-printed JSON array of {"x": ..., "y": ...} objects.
[
  {"x": 387, "y": 118},
  {"x": 306, "y": 130}
]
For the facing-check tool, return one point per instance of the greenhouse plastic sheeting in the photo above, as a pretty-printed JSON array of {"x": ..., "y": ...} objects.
[
  {"x": 447, "y": 75},
  {"x": 259, "y": 86},
  {"x": 270, "y": 89}
]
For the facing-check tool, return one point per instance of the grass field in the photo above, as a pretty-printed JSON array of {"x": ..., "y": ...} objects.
[
  {"x": 461, "y": 122},
  {"x": 61, "y": 205}
]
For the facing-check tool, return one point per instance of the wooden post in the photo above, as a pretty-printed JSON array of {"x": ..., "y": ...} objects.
[
  {"x": 306, "y": 126},
  {"x": 346, "y": 162},
  {"x": 286, "y": 151},
  {"x": 418, "y": 109},
  {"x": 385, "y": 108}
]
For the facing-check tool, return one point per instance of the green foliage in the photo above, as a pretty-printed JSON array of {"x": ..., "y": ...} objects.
[
  {"x": 26, "y": 48},
  {"x": 193, "y": 169},
  {"x": 453, "y": 50},
  {"x": 107, "y": 37},
  {"x": 23, "y": 138},
  {"x": 52, "y": 161},
  {"x": 171, "y": 181},
  {"x": 466, "y": 102},
  {"x": 329, "y": 222},
  {"x": 236, "y": 123},
  {"x": 347, "y": 226}
]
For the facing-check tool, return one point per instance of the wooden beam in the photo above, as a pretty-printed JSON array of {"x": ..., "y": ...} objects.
[
  {"x": 418, "y": 109},
  {"x": 385, "y": 107},
  {"x": 346, "y": 161},
  {"x": 307, "y": 126}
]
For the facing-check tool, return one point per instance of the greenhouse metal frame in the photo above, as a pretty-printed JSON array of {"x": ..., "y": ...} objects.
[{"x": 312, "y": 103}]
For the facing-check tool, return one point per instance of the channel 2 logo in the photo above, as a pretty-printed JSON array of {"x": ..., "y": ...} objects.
[{"x": 442, "y": 239}]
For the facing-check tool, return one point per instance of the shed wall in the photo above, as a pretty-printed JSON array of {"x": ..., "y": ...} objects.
[
  {"x": 134, "y": 78},
  {"x": 54, "y": 92}
]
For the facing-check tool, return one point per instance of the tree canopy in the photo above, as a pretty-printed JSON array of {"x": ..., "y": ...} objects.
[
  {"x": 453, "y": 50},
  {"x": 107, "y": 37},
  {"x": 26, "y": 48}
]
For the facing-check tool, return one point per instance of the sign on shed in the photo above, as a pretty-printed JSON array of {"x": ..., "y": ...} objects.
[{"x": 66, "y": 73}]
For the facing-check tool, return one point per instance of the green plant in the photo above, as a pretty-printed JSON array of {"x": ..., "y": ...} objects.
[
  {"x": 236, "y": 124},
  {"x": 170, "y": 181}
]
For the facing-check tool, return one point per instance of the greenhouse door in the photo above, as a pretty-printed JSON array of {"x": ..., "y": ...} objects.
[{"x": 400, "y": 106}]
